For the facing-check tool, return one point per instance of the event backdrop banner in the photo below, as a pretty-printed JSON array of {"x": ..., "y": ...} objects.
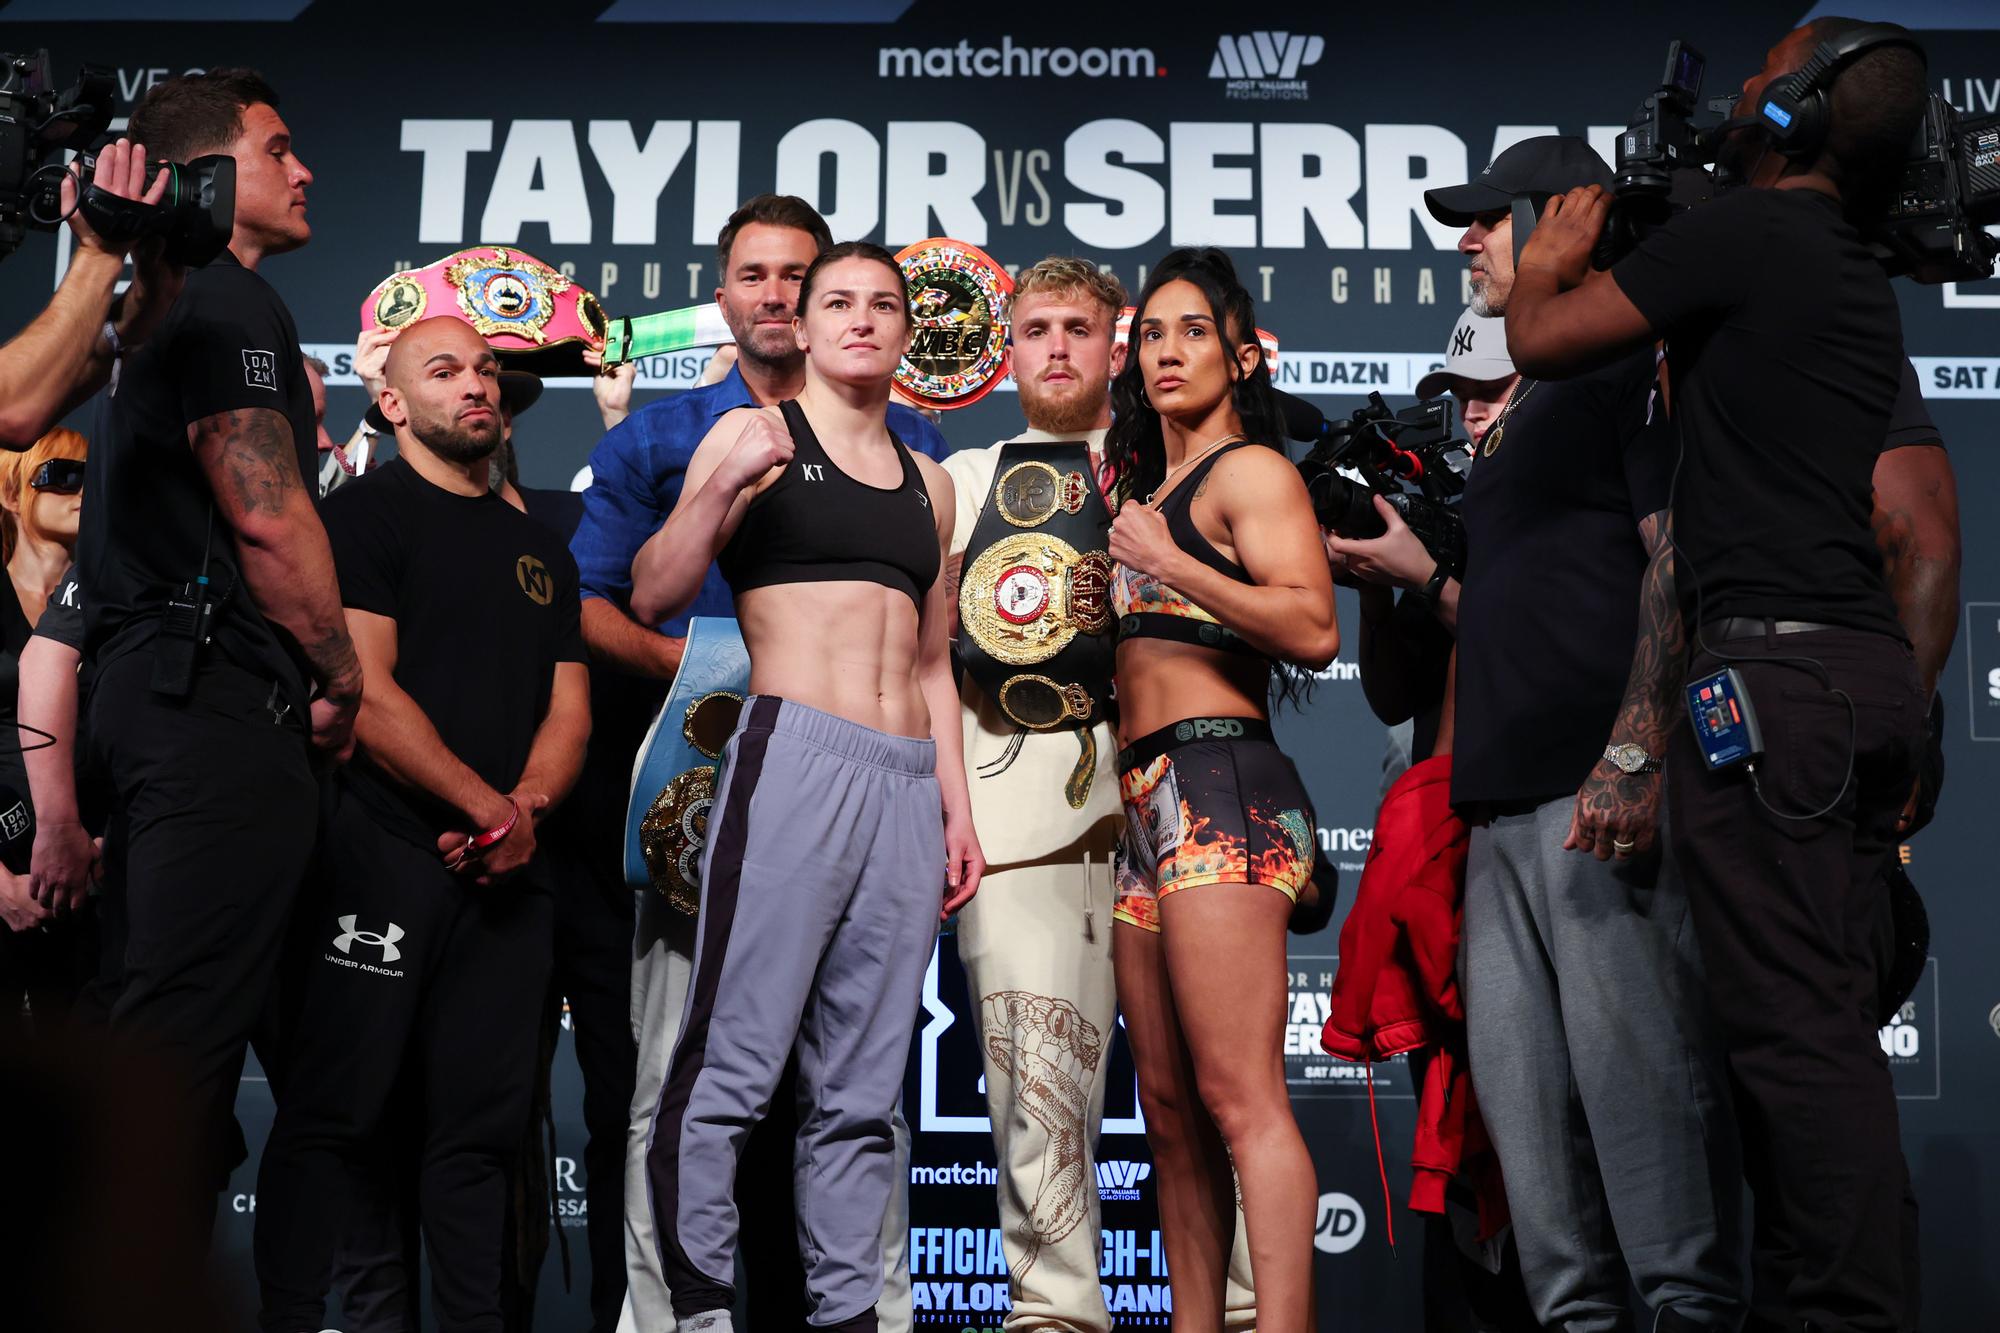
[{"x": 613, "y": 139}]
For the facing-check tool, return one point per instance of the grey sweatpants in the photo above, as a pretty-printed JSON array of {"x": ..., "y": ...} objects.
[
  {"x": 1598, "y": 1085},
  {"x": 662, "y": 962},
  {"x": 821, "y": 882}
]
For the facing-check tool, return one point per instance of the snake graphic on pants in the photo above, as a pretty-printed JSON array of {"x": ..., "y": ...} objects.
[{"x": 1053, "y": 1052}]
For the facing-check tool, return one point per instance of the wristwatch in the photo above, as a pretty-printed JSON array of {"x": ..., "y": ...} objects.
[
  {"x": 1434, "y": 588},
  {"x": 1631, "y": 758}
]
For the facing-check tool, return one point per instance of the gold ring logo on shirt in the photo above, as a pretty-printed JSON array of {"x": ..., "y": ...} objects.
[
  {"x": 1027, "y": 595},
  {"x": 534, "y": 578}
]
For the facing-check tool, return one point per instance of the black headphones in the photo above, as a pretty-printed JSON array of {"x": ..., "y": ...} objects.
[{"x": 1796, "y": 110}]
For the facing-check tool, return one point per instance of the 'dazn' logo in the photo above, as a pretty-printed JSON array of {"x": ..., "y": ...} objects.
[{"x": 533, "y": 576}]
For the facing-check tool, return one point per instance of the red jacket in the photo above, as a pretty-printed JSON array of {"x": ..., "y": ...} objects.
[{"x": 1397, "y": 986}]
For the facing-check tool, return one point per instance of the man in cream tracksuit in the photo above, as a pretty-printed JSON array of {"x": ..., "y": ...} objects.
[{"x": 1029, "y": 573}]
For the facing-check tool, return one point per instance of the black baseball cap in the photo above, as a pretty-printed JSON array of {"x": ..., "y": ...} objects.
[
  {"x": 1549, "y": 164},
  {"x": 518, "y": 392}
]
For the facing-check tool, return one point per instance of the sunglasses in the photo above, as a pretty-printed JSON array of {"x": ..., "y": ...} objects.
[{"x": 61, "y": 475}]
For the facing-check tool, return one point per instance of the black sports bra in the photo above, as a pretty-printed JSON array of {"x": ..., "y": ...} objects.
[
  {"x": 816, "y": 524},
  {"x": 1149, "y": 609}
]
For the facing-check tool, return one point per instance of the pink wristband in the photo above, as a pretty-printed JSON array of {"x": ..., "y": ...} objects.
[{"x": 480, "y": 843}]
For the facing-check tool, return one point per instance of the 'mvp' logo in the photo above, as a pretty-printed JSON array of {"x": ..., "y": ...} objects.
[
  {"x": 1122, "y": 1175},
  {"x": 386, "y": 941},
  {"x": 1265, "y": 55}
]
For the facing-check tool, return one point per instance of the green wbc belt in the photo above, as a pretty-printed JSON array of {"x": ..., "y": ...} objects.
[{"x": 667, "y": 331}]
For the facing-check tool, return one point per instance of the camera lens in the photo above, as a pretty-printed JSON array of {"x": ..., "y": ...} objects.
[{"x": 1345, "y": 506}]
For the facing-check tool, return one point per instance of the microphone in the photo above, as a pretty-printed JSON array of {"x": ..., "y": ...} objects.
[{"x": 1303, "y": 421}]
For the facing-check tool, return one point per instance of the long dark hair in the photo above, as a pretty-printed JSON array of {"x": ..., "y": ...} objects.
[{"x": 1134, "y": 446}]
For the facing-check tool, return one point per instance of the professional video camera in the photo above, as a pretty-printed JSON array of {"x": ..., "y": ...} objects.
[
  {"x": 36, "y": 124},
  {"x": 195, "y": 216},
  {"x": 1390, "y": 451},
  {"x": 1935, "y": 229}
]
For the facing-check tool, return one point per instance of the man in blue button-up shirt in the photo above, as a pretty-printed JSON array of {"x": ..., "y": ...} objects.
[{"x": 636, "y": 475}]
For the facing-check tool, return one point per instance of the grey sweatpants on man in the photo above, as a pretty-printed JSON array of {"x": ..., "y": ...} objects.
[
  {"x": 1598, "y": 1084},
  {"x": 821, "y": 881}
]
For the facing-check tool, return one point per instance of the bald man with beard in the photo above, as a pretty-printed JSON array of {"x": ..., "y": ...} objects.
[{"x": 428, "y": 953}]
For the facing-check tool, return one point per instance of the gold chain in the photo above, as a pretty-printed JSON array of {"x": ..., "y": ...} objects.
[
  {"x": 1188, "y": 462},
  {"x": 1515, "y": 397}
]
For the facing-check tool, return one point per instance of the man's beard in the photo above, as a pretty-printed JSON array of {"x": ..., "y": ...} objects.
[
  {"x": 456, "y": 443},
  {"x": 767, "y": 347},
  {"x": 1483, "y": 303},
  {"x": 1061, "y": 414}
]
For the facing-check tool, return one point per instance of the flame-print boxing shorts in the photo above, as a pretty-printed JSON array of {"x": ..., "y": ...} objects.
[{"x": 1209, "y": 800}]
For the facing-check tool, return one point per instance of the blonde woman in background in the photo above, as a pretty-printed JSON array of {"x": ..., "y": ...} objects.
[{"x": 46, "y": 954}]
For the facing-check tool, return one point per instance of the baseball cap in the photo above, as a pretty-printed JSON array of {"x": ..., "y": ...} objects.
[
  {"x": 518, "y": 392},
  {"x": 1477, "y": 352},
  {"x": 1546, "y": 165}
]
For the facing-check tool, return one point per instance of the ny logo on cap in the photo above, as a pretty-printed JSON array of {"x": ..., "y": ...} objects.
[
  {"x": 1461, "y": 340},
  {"x": 385, "y": 942}
]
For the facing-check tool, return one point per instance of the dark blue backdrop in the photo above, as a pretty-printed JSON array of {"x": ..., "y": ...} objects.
[{"x": 613, "y": 139}]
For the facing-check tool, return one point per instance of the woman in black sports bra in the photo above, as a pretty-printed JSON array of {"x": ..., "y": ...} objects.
[
  {"x": 841, "y": 824},
  {"x": 1219, "y": 574}
]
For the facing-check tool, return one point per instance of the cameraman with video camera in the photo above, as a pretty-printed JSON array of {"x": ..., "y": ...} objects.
[
  {"x": 1785, "y": 344},
  {"x": 66, "y": 353},
  {"x": 221, "y": 653},
  {"x": 1584, "y": 1031}
]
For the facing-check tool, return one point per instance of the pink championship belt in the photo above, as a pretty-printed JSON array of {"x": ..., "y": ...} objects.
[{"x": 535, "y": 317}]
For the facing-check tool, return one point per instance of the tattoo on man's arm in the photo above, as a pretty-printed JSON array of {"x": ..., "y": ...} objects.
[
  {"x": 1659, "y": 655},
  {"x": 258, "y": 460}
]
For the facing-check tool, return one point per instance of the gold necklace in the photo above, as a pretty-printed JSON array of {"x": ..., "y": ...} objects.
[
  {"x": 1190, "y": 461},
  {"x": 1515, "y": 397}
]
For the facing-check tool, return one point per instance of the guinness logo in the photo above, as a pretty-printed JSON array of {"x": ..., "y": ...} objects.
[{"x": 534, "y": 578}]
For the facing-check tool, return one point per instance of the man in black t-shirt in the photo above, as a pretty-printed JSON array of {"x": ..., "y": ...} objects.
[
  {"x": 1584, "y": 1036},
  {"x": 197, "y": 496},
  {"x": 1785, "y": 347},
  {"x": 429, "y": 957}
]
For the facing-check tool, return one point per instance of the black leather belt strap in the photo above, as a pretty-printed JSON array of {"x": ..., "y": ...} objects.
[{"x": 1756, "y": 627}]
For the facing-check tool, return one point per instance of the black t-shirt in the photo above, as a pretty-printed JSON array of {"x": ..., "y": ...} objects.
[
  {"x": 485, "y": 604},
  {"x": 1909, "y": 420},
  {"x": 227, "y": 344},
  {"x": 1787, "y": 354},
  {"x": 14, "y": 634},
  {"x": 62, "y": 618},
  {"x": 1549, "y": 607}
]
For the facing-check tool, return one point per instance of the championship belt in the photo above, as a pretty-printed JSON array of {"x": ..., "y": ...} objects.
[
  {"x": 1034, "y": 608},
  {"x": 534, "y": 317},
  {"x": 673, "y": 780},
  {"x": 958, "y": 313}
]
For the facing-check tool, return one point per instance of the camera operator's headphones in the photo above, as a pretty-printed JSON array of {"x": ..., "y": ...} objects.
[{"x": 1796, "y": 111}]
